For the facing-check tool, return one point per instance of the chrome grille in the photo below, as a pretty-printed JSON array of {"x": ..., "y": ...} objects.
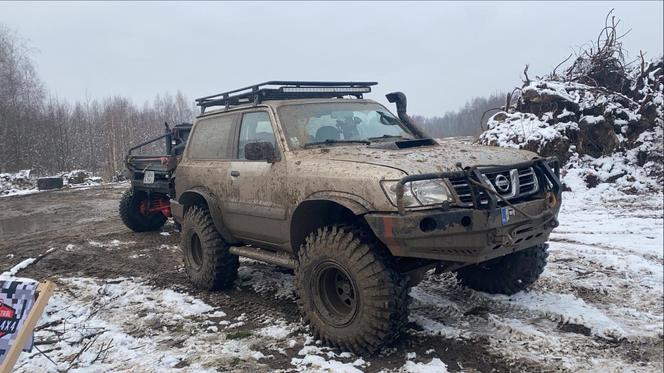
[
  {"x": 462, "y": 190},
  {"x": 510, "y": 184},
  {"x": 527, "y": 181}
]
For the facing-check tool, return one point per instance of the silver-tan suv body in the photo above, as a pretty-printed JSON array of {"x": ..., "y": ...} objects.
[{"x": 289, "y": 174}]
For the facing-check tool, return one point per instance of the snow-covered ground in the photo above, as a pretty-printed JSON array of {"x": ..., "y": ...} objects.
[
  {"x": 18, "y": 183},
  {"x": 602, "y": 287},
  {"x": 597, "y": 307},
  {"x": 23, "y": 182}
]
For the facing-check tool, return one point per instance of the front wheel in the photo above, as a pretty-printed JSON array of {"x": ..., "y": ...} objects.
[
  {"x": 349, "y": 292},
  {"x": 506, "y": 275},
  {"x": 132, "y": 205}
]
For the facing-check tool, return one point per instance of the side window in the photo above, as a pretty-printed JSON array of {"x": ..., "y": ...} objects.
[
  {"x": 255, "y": 127},
  {"x": 212, "y": 138}
]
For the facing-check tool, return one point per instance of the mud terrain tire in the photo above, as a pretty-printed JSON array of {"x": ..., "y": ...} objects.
[
  {"x": 349, "y": 292},
  {"x": 507, "y": 275},
  {"x": 132, "y": 217},
  {"x": 207, "y": 261}
]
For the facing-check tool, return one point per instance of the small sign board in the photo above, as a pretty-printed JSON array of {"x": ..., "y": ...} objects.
[{"x": 22, "y": 302}]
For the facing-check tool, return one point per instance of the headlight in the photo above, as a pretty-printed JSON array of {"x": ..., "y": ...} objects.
[{"x": 418, "y": 193}]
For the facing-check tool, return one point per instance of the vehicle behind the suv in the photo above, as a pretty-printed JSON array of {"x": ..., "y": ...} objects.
[{"x": 145, "y": 206}]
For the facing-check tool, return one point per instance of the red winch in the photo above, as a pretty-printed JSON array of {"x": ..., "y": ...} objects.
[{"x": 156, "y": 204}]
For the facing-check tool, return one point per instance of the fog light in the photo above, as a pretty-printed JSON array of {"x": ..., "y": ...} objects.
[
  {"x": 428, "y": 224},
  {"x": 551, "y": 199}
]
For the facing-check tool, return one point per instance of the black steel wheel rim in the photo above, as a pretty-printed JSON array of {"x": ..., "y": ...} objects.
[
  {"x": 335, "y": 294},
  {"x": 196, "y": 252}
]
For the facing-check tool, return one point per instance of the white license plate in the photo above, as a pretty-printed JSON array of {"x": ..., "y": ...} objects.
[{"x": 148, "y": 178}]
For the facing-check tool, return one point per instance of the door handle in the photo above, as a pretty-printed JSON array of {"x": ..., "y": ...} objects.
[{"x": 235, "y": 173}]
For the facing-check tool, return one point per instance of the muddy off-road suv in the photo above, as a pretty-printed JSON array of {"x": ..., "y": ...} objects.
[{"x": 358, "y": 201}]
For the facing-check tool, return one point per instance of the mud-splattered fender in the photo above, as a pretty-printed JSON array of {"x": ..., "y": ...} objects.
[
  {"x": 191, "y": 196},
  {"x": 353, "y": 202}
]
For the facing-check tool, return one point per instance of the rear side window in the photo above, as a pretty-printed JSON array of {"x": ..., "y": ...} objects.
[
  {"x": 255, "y": 127},
  {"x": 212, "y": 138}
]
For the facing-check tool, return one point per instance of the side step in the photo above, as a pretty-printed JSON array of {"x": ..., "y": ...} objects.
[{"x": 280, "y": 259}]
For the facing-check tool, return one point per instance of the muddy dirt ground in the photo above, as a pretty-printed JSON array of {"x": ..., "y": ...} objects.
[
  {"x": 32, "y": 224},
  {"x": 81, "y": 224}
]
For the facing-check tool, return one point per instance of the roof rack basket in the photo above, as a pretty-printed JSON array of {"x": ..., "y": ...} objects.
[{"x": 284, "y": 90}]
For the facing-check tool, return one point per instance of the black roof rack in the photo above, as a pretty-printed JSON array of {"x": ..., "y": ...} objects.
[{"x": 284, "y": 90}]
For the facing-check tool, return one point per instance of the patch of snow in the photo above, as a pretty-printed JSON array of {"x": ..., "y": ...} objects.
[
  {"x": 280, "y": 284},
  {"x": 567, "y": 309},
  {"x": 318, "y": 363},
  {"x": 434, "y": 366},
  {"x": 110, "y": 245},
  {"x": 278, "y": 330},
  {"x": 20, "y": 266},
  {"x": 19, "y": 183}
]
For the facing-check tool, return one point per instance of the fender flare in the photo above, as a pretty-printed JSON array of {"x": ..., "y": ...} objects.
[
  {"x": 299, "y": 228},
  {"x": 188, "y": 198},
  {"x": 355, "y": 203}
]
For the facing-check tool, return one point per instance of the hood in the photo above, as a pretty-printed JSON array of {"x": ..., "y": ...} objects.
[{"x": 425, "y": 159}]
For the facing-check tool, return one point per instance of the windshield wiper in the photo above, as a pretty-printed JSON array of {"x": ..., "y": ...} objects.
[
  {"x": 329, "y": 141},
  {"x": 389, "y": 137}
]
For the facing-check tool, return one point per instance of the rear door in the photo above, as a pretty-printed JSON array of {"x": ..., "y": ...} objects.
[{"x": 257, "y": 204}]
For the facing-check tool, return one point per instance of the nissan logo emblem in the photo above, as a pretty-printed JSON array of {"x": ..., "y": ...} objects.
[{"x": 502, "y": 183}]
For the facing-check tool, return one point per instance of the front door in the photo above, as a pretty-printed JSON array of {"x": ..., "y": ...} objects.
[{"x": 257, "y": 204}]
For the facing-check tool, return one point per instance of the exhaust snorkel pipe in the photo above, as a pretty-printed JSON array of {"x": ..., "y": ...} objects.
[{"x": 400, "y": 99}]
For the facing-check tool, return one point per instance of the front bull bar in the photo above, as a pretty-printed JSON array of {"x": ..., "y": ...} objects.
[{"x": 548, "y": 178}]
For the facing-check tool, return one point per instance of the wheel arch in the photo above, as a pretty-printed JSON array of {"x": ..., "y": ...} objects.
[{"x": 322, "y": 209}]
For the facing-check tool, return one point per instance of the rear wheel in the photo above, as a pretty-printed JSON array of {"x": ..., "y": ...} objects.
[
  {"x": 507, "y": 275},
  {"x": 207, "y": 261},
  {"x": 132, "y": 204},
  {"x": 349, "y": 291}
]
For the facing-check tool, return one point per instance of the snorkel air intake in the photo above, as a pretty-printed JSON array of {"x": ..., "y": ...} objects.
[{"x": 400, "y": 99}]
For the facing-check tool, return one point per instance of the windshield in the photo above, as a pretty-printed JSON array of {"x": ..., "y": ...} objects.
[{"x": 339, "y": 122}]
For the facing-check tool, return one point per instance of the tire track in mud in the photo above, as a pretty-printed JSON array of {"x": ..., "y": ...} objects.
[
  {"x": 606, "y": 247},
  {"x": 543, "y": 339}
]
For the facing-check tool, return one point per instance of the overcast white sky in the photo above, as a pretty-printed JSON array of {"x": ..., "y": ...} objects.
[{"x": 439, "y": 53}]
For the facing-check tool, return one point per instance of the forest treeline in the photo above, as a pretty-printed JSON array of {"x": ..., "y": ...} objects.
[
  {"x": 470, "y": 120},
  {"x": 49, "y": 134}
]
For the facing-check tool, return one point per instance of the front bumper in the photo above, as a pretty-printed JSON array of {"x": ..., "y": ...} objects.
[{"x": 465, "y": 235}]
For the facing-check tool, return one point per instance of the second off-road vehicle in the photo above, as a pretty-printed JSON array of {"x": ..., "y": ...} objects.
[
  {"x": 145, "y": 206},
  {"x": 358, "y": 201}
]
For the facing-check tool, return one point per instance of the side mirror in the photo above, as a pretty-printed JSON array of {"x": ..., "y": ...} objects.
[{"x": 260, "y": 151}]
